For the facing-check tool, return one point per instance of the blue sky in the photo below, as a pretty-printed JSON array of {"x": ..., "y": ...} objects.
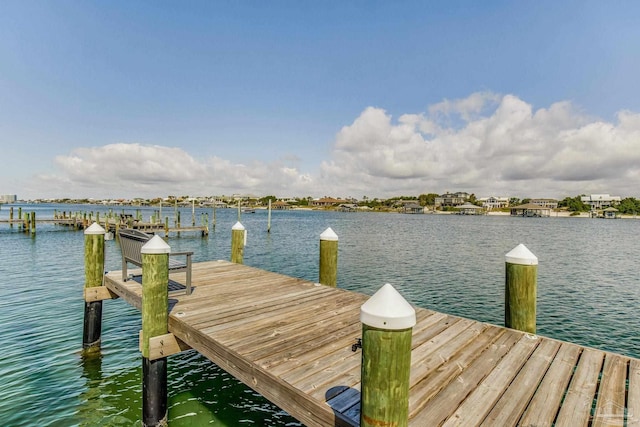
[{"x": 126, "y": 99}]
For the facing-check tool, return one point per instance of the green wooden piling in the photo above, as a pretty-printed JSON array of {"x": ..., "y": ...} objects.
[
  {"x": 521, "y": 277},
  {"x": 193, "y": 213},
  {"x": 155, "y": 308},
  {"x": 387, "y": 324},
  {"x": 238, "y": 237},
  {"x": 328, "y": 271},
  {"x": 239, "y": 210},
  {"x": 11, "y": 217},
  {"x": 33, "y": 223},
  {"x": 166, "y": 226},
  {"x": 214, "y": 216},
  {"x": 269, "y": 218},
  {"x": 93, "y": 273}
]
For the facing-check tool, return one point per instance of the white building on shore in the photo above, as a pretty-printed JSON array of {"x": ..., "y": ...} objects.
[
  {"x": 600, "y": 201},
  {"x": 8, "y": 198},
  {"x": 494, "y": 202}
]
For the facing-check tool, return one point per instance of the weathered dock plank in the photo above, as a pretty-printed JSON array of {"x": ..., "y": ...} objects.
[{"x": 291, "y": 340}]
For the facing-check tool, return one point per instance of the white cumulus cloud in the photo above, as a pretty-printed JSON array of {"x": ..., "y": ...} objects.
[{"x": 488, "y": 144}]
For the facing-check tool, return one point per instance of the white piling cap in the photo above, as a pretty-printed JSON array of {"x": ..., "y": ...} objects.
[
  {"x": 155, "y": 246},
  {"x": 329, "y": 234},
  {"x": 387, "y": 309},
  {"x": 94, "y": 228},
  {"x": 237, "y": 226},
  {"x": 521, "y": 255}
]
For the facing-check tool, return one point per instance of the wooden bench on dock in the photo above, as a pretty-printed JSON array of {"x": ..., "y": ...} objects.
[{"x": 131, "y": 242}]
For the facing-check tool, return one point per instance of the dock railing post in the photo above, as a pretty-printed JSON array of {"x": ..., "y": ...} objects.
[
  {"x": 387, "y": 324},
  {"x": 521, "y": 275},
  {"x": 94, "y": 274},
  {"x": 328, "y": 269},
  {"x": 238, "y": 240},
  {"x": 155, "y": 307}
]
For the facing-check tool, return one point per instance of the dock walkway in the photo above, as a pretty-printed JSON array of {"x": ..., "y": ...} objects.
[{"x": 291, "y": 341}]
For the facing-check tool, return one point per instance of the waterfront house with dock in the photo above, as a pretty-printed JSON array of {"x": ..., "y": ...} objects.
[
  {"x": 494, "y": 202},
  {"x": 451, "y": 199},
  {"x": 600, "y": 201}
]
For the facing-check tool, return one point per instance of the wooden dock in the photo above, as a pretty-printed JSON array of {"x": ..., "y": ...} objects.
[
  {"x": 80, "y": 223},
  {"x": 291, "y": 341}
]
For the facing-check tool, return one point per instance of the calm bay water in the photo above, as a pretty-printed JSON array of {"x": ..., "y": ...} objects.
[{"x": 588, "y": 293}]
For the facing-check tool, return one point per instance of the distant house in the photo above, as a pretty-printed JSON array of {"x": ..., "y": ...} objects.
[
  {"x": 546, "y": 203},
  {"x": 326, "y": 202},
  {"x": 451, "y": 199},
  {"x": 470, "y": 209},
  {"x": 530, "y": 210},
  {"x": 600, "y": 201},
  {"x": 494, "y": 202}
]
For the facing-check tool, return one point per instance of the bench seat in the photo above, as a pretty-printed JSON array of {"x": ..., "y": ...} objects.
[{"x": 132, "y": 241}]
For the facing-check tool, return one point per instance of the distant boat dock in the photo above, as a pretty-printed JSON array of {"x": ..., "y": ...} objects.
[
  {"x": 28, "y": 221},
  {"x": 293, "y": 342}
]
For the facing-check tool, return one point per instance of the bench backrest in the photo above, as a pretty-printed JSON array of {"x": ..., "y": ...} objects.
[{"x": 131, "y": 242}]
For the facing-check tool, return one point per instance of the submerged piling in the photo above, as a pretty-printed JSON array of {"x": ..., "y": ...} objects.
[
  {"x": 93, "y": 273},
  {"x": 155, "y": 306},
  {"x": 328, "y": 270},
  {"x": 387, "y": 324},
  {"x": 521, "y": 277}
]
